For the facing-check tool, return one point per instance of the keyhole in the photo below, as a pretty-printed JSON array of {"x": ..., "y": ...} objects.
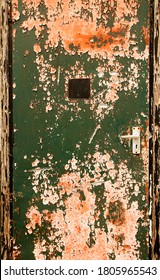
[{"x": 136, "y": 149}]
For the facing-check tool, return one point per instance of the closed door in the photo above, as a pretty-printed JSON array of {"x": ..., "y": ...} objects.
[{"x": 80, "y": 117}]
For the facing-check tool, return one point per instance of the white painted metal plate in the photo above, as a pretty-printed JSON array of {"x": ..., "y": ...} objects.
[{"x": 136, "y": 143}]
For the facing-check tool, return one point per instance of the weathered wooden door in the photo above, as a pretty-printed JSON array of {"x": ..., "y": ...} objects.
[{"x": 80, "y": 82}]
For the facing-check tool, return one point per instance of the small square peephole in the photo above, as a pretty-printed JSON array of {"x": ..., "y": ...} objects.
[{"x": 79, "y": 88}]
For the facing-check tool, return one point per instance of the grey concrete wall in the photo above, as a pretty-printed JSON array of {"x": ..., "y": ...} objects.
[{"x": 4, "y": 132}]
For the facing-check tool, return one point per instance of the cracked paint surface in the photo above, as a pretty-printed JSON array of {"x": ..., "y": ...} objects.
[{"x": 79, "y": 192}]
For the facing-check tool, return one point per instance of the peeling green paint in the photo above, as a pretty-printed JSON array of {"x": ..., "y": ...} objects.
[{"x": 82, "y": 189}]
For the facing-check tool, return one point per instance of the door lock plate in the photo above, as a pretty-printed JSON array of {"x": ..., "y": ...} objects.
[{"x": 135, "y": 137}]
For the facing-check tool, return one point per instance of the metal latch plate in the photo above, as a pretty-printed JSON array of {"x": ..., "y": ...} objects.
[
  {"x": 135, "y": 138},
  {"x": 136, "y": 143}
]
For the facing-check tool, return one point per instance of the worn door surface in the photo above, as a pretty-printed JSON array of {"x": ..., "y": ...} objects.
[{"x": 80, "y": 81}]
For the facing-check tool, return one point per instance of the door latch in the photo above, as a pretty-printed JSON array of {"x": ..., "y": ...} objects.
[{"x": 135, "y": 137}]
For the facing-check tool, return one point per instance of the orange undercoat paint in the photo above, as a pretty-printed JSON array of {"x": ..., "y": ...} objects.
[
  {"x": 81, "y": 215},
  {"x": 84, "y": 32},
  {"x": 64, "y": 22},
  {"x": 37, "y": 48}
]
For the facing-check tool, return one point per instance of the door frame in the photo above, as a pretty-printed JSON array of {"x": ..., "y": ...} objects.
[{"x": 154, "y": 128}]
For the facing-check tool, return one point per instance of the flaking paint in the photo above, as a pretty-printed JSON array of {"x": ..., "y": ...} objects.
[{"x": 84, "y": 193}]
